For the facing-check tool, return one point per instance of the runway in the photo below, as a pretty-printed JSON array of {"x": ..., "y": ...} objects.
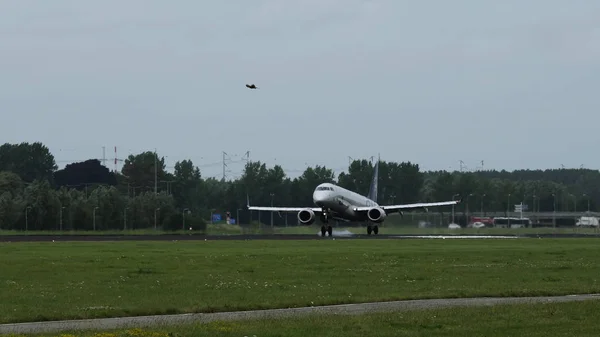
[
  {"x": 347, "y": 309},
  {"x": 193, "y": 237}
]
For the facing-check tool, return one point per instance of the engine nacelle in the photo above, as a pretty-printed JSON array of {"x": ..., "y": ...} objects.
[
  {"x": 306, "y": 216},
  {"x": 376, "y": 214}
]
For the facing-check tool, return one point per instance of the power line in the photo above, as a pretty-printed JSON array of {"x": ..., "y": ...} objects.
[{"x": 227, "y": 160}]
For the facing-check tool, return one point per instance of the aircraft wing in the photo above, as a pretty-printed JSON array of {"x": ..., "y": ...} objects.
[
  {"x": 317, "y": 210},
  {"x": 424, "y": 205},
  {"x": 283, "y": 209}
]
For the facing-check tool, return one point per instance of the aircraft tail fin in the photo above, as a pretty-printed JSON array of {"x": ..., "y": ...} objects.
[{"x": 374, "y": 183}]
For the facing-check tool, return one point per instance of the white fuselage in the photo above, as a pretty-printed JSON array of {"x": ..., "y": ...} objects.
[{"x": 340, "y": 201}]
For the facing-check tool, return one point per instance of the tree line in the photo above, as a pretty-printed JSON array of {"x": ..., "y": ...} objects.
[{"x": 35, "y": 195}]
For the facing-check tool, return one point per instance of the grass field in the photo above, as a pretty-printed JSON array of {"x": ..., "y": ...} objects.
[
  {"x": 220, "y": 229},
  {"x": 224, "y": 229},
  {"x": 560, "y": 319},
  {"x": 64, "y": 280},
  {"x": 414, "y": 230}
]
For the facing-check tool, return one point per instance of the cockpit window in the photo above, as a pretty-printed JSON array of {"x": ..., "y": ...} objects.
[{"x": 324, "y": 188}]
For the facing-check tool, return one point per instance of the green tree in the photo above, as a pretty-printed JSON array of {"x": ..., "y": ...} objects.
[
  {"x": 188, "y": 186},
  {"x": 110, "y": 206},
  {"x": 358, "y": 178},
  {"x": 11, "y": 200},
  {"x": 255, "y": 178},
  {"x": 77, "y": 215},
  {"x": 405, "y": 181},
  {"x": 144, "y": 170},
  {"x": 30, "y": 161},
  {"x": 444, "y": 187},
  {"x": 149, "y": 210},
  {"x": 26, "y": 187},
  {"x": 42, "y": 205}
]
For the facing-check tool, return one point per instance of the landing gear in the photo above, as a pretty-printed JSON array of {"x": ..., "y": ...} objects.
[
  {"x": 326, "y": 230},
  {"x": 374, "y": 229},
  {"x": 325, "y": 217},
  {"x": 325, "y": 220}
]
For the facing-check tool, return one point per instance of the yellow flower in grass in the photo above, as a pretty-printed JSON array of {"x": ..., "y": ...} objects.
[
  {"x": 159, "y": 334},
  {"x": 141, "y": 333},
  {"x": 137, "y": 332},
  {"x": 105, "y": 334}
]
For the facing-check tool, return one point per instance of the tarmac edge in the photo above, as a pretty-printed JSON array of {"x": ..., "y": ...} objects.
[{"x": 345, "y": 309}]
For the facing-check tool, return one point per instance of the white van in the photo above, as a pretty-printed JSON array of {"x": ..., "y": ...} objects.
[{"x": 587, "y": 221}]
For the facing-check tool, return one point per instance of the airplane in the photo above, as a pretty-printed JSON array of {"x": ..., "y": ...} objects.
[
  {"x": 337, "y": 203},
  {"x": 251, "y": 86}
]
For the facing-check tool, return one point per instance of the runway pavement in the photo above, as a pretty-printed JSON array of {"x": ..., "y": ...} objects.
[
  {"x": 192, "y": 237},
  {"x": 348, "y": 309}
]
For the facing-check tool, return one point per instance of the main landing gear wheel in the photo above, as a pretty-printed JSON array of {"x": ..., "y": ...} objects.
[
  {"x": 326, "y": 230},
  {"x": 374, "y": 230}
]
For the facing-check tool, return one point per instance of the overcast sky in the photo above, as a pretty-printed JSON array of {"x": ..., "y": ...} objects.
[{"x": 513, "y": 83}]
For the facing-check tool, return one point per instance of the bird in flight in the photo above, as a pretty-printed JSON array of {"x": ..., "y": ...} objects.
[{"x": 251, "y": 86}]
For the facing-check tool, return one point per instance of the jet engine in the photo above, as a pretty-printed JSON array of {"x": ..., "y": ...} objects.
[
  {"x": 376, "y": 214},
  {"x": 306, "y": 216}
]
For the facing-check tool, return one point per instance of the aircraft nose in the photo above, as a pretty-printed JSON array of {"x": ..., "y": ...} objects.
[{"x": 319, "y": 198}]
